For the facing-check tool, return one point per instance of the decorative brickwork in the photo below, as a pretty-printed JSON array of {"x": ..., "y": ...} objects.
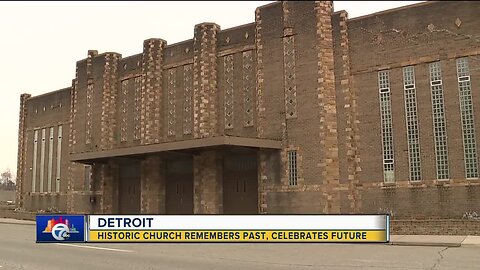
[
  {"x": 262, "y": 182},
  {"x": 248, "y": 85},
  {"x": 74, "y": 169},
  {"x": 290, "y": 84},
  {"x": 109, "y": 100},
  {"x": 22, "y": 149},
  {"x": 188, "y": 96},
  {"x": 89, "y": 105},
  {"x": 205, "y": 118},
  {"x": 72, "y": 139},
  {"x": 260, "y": 104},
  {"x": 351, "y": 118},
  {"x": 303, "y": 86},
  {"x": 171, "y": 100},
  {"x": 327, "y": 105},
  {"x": 123, "y": 111},
  {"x": 151, "y": 97},
  {"x": 229, "y": 90},
  {"x": 137, "y": 110}
]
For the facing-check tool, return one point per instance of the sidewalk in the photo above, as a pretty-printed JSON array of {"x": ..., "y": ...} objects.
[
  {"x": 435, "y": 240},
  {"x": 397, "y": 240}
]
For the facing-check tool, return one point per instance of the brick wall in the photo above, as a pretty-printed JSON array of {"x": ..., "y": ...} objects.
[
  {"x": 299, "y": 74},
  {"x": 49, "y": 112},
  {"x": 435, "y": 227}
]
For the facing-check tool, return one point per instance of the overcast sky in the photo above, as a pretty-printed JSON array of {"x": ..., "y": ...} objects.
[{"x": 41, "y": 41}]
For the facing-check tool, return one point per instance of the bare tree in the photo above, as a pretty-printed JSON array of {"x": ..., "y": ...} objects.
[{"x": 7, "y": 180}]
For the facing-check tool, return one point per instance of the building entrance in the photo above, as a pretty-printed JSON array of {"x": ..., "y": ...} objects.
[
  {"x": 179, "y": 187},
  {"x": 240, "y": 185}
]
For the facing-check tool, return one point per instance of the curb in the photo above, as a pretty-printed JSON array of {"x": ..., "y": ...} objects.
[
  {"x": 471, "y": 241},
  {"x": 426, "y": 244},
  {"x": 16, "y": 221}
]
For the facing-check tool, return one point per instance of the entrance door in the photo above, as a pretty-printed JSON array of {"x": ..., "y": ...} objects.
[
  {"x": 179, "y": 187},
  {"x": 240, "y": 186},
  {"x": 129, "y": 188}
]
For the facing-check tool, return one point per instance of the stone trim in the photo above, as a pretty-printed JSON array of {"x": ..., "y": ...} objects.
[
  {"x": 236, "y": 50},
  {"x": 177, "y": 145},
  {"x": 418, "y": 61}
]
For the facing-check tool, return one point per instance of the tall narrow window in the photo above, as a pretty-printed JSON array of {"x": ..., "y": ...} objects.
[
  {"x": 466, "y": 112},
  {"x": 387, "y": 129},
  {"x": 50, "y": 161},
  {"x": 292, "y": 168},
  {"x": 411, "y": 118},
  {"x": 59, "y": 158},
  {"x": 34, "y": 165},
  {"x": 42, "y": 161},
  {"x": 439, "y": 121}
]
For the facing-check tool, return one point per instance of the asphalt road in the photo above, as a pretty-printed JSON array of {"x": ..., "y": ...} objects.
[{"x": 18, "y": 250}]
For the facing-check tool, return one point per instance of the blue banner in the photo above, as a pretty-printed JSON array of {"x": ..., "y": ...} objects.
[{"x": 60, "y": 228}]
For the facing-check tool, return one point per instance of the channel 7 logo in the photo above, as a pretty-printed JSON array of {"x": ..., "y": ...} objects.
[{"x": 60, "y": 228}]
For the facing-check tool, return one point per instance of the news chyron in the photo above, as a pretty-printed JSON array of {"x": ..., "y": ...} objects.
[
  {"x": 214, "y": 228},
  {"x": 60, "y": 228}
]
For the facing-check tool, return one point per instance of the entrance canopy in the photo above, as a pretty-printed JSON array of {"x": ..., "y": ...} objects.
[{"x": 177, "y": 146}]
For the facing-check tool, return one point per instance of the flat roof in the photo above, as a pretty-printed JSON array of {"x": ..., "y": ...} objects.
[{"x": 178, "y": 145}]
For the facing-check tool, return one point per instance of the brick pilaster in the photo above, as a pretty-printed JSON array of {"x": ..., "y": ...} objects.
[
  {"x": 153, "y": 194},
  {"x": 22, "y": 150},
  {"x": 207, "y": 187},
  {"x": 351, "y": 117},
  {"x": 262, "y": 181},
  {"x": 327, "y": 104},
  {"x": 72, "y": 143},
  {"x": 109, "y": 99},
  {"x": 108, "y": 186},
  {"x": 205, "y": 94},
  {"x": 261, "y": 121},
  {"x": 152, "y": 93},
  {"x": 89, "y": 98}
]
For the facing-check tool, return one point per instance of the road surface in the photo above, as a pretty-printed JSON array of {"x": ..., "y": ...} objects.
[{"x": 18, "y": 250}]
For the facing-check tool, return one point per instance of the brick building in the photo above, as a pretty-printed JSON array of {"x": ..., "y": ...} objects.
[{"x": 302, "y": 111}]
